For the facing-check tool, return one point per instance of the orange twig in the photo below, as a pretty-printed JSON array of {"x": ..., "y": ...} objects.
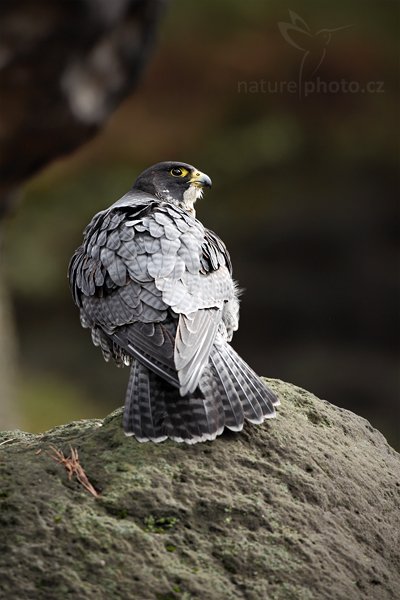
[{"x": 73, "y": 468}]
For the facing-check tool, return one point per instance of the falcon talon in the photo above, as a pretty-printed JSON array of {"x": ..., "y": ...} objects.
[{"x": 155, "y": 288}]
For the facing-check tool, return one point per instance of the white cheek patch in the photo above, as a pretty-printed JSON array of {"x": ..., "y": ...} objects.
[{"x": 190, "y": 196}]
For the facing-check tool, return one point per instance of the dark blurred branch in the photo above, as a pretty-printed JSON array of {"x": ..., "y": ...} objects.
[{"x": 64, "y": 67}]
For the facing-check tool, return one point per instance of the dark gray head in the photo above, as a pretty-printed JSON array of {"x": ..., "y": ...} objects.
[{"x": 175, "y": 182}]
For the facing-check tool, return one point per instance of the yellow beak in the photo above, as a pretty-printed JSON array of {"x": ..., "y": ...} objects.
[{"x": 200, "y": 179}]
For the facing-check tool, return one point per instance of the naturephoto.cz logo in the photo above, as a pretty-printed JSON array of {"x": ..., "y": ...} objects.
[{"x": 312, "y": 47}]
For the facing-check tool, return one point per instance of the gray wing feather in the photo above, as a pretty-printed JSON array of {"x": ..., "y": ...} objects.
[
  {"x": 170, "y": 247},
  {"x": 127, "y": 250},
  {"x": 196, "y": 291},
  {"x": 156, "y": 230},
  {"x": 126, "y": 233},
  {"x": 161, "y": 265},
  {"x": 194, "y": 339},
  {"x": 95, "y": 252},
  {"x": 98, "y": 277},
  {"x": 138, "y": 270},
  {"x": 107, "y": 257},
  {"x": 117, "y": 271},
  {"x": 152, "y": 297},
  {"x": 101, "y": 238},
  {"x": 178, "y": 270},
  {"x": 171, "y": 232},
  {"x": 152, "y": 245},
  {"x": 162, "y": 218},
  {"x": 190, "y": 252},
  {"x": 113, "y": 240}
]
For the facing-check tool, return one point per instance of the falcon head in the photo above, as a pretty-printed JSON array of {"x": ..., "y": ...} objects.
[{"x": 175, "y": 182}]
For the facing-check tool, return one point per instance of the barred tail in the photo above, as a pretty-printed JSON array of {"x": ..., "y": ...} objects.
[
  {"x": 243, "y": 394},
  {"x": 154, "y": 410},
  {"x": 228, "y": 394}
]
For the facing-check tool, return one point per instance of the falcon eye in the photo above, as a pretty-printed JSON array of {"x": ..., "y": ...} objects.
[{"x": 178, "y": 172}]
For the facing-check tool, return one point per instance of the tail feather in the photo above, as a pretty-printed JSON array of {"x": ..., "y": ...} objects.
[
  {"x": 229, "y": 393},
  {"x": 266, "y": 398},
  {"x": 187, "y": 419},
  {"x": 154, "y": 410},
  {"x": 140, "y": 419},
  {"x": 270, "y": 399},
  {"x": 213, "y": 403},
  {"x": 252, "y": 410},
  {"x": 230, "y": 398},
  {"x": 131, "y": 418}
]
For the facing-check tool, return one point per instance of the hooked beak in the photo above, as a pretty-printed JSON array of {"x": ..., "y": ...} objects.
[{"x": 200, "y": 179}]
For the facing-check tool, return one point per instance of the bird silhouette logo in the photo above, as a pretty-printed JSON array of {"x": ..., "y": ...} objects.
[{"x": 313, "y": 44}]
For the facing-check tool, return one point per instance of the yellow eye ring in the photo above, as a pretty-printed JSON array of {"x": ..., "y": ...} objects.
[{"x": 178, "y": 172}]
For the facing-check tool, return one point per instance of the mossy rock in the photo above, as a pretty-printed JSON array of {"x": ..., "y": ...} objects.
[{"x": 304, "y": 507}]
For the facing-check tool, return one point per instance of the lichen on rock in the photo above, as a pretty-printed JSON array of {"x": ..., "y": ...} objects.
[{"x": 305, "y": 507}]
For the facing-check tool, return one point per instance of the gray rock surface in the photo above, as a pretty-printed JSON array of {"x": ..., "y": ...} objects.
[{"x": 303, "y": 507}]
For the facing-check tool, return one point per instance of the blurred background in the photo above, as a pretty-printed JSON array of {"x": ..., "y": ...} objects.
[{"x": 293, "y": 112}]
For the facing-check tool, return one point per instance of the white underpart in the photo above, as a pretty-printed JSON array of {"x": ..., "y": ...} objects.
[{"x": 193, "y": 193}]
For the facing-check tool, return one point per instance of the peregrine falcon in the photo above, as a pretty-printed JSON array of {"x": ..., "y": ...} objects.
[{"x": 155, "y": 288}]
